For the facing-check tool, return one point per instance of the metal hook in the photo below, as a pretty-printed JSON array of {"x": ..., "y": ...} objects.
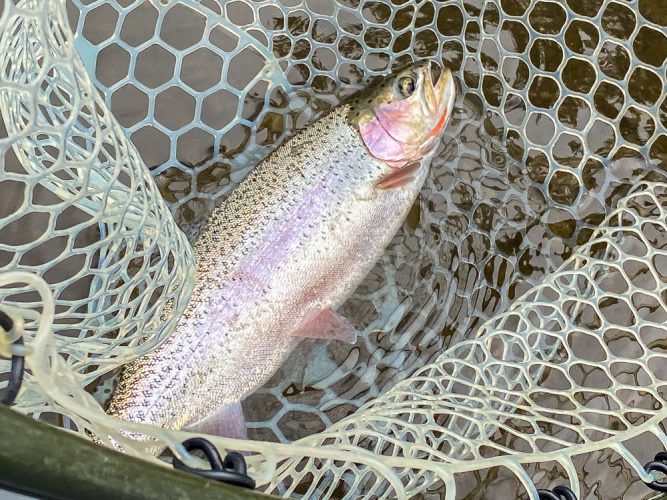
[
  {"x": 232, "y": 470},
  {"x": 560, "y": 492},
  {"x": 659, "y": 464},
  {"x": 18, "y": 364}
]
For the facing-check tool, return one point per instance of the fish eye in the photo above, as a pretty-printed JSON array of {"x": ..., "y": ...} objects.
[{"x": 407, "y": 86}]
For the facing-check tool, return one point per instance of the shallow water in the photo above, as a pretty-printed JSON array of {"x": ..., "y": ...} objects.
[{"x": 562, "y": 109}]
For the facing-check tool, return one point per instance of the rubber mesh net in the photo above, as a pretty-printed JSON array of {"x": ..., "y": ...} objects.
[
  {"x": 77, "y": 205},
  {"x": 524, "y": 240}
]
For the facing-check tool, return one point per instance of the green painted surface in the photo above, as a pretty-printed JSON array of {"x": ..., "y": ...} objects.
[{"x": 47, "y": 462}]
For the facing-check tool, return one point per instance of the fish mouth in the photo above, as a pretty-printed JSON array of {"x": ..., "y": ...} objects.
[{"x": 438, "y": 95}]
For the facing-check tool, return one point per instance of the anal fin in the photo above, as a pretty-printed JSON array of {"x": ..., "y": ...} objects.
[
  {"x": 228, "y": 421},
  {"x": 328, "y": 324}
]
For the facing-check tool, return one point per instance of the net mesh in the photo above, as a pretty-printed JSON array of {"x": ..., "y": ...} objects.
[
  {"x": 545, "y": 129},
  {"x": 563, "y": 109},
  {"x": 78, "y": 207}
]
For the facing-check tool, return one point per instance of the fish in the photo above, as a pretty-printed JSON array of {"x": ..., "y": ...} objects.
[{"x": 287, "y": 248}]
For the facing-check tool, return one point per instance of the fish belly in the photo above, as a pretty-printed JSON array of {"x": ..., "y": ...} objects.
[{"x": 294, "y": 239}]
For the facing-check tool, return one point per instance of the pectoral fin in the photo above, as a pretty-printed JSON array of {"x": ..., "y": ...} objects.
[
  {"x": 400, "y": 177},
  {"x": 328, "y": 324},
  {"x": 228, "y": 422}
]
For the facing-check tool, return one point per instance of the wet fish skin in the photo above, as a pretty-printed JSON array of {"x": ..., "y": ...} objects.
[{"x": 294, "y": 240}]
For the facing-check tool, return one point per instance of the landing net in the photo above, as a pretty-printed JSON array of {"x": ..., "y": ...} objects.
[{"x": 559, "y": 291}]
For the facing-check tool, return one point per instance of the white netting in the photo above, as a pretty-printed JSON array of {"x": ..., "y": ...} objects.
[
  {"x": 520, "y": 393},
  {"x": 562, "y": 106},
  {"x": 78, "y": 207},
  {"x": 563, "y": 109}
]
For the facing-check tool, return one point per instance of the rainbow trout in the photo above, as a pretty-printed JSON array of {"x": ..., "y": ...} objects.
[{"x": 287, "y": 248}]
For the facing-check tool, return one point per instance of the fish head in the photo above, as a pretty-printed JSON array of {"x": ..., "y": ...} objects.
[{"x": 400, "y": 119}]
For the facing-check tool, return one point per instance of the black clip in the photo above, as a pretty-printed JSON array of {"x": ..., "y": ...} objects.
[
  {"x": 232, "y": 470},
  {"x": 18, "y": 365},
  {"x": 658, "y": 464},
  {"x": 558, "y": 493}
]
